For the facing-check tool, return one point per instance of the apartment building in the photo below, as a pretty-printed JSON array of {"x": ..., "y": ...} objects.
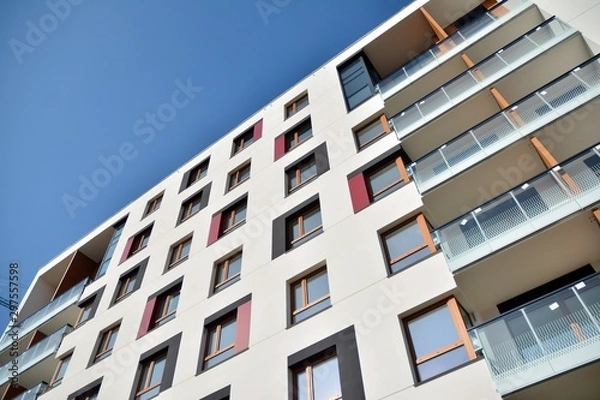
[{"x": 417, "y": 219}]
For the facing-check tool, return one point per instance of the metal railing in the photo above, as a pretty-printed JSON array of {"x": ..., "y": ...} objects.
[
  {"x": 481, "y": 75},
  {"x": 458, "y": 41},
  {"x": 45, "y": 313},
  {"x": 33, "y": 393},
  {"x": 540, "y": 108},
  {"x": 549, "y": 336},
  {"x": 543, "y": 200},
  {"x": 39, "y": 351}
]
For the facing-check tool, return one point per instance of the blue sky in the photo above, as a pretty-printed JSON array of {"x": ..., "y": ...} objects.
[{"x": 77, "y": 75}]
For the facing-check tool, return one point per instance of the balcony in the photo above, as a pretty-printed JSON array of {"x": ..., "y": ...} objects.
[
  {"x": 33, "y": 393},
  {"x": 550, "y": 336},
  {"x": 50, "y": 314},
  {"x": 452, "y": 45},
  {"x": 485, "y": 73},
  {"x": 36, "y": 354},
  {"x": 555, "y": 194},
  {"x": 526, "y": 116}
]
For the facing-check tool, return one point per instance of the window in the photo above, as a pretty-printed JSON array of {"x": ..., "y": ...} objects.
[
  {"x": 130, "y": 282},
  {"x": 227, "y": 272},
  {"x": 306, "y": 169},
  {"x": 156, "y": 369},
  {"x": 318, "y": 380},
  {"x": 226, "y": 334},
  {"x": 328, "y": 369},
  {"x": 166, "y": 306},
  {"x": 238, "y": 176},
  {"x": 195, "y": 174},
  {"x": 222, "y": 394},
  {"x": 88, "y": 307},
  {"x": 301, "y": 173},
  {"x": 89, "y": 392},
  {"x": 357, "y": 77},
  {"x": 379, "y": 178},
  {"x": 293, "y": 138},
  {"x": 85, "y": 314},
  {"x": 438, "y": 339},
  {"x": 296, "y": 105},
  {"x": 228, "y": 219},
  {"x": 194, "y": 204},
  {"x": 59, "y": 373},
  {"x": 179, "y": 252},
  {"x": 137, "y": 242},
  {"x": 106, "y": 342},
  {"x": 408, "y": 244},
  {"x": 309, "y": 295},
  {"x": 304, "y": 226},
  {"x": 110, "y": 250},
  {"x": 153, "y": 205},
  {"x": 372, "y": 131},
  {"x": 243, "y": 141}
]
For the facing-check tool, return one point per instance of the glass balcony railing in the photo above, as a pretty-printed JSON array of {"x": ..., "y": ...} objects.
[
  {"x": 452, "y": 45},
  {"x": 481, "y": 75},
  {"x": 526, "y": 116},
  {"x": 38, "y": 352},
  {"x": 547, "y": 337},
  {"x": 47, "y": 312},
  {"x": 33, "y": 393},
  {"x": 565, "y": 189}
]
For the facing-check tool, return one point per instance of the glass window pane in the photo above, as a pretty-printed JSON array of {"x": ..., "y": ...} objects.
[
  {"x": 384, "y": 178},
  {"x": 326, "y": 379},
  {"x": 297, "y": 296},
  {"x": 227, "y": 334},
  {"x": 220, "y": 358},
  {"x": 112, "y": 339},
  {"x": 185, "y": 250},
  {"x": 308, "y": 170},
  {"x": 312, "y": 310},
  {"x": 157, "y": 372},
  {"x": 295, "y": 229},
  {"x": 150, "y": 394},
  {"x": 304, "y": 133},
  {"x": 410, "y": 260},
  {"x": 235, "y": 265},
  {"x": 292, "y": 180},
  {"x": 369, "y": 132},
  {"x": 442, "y": 363},
  {"x": 403, "y": 240},
  {"x": 240, "y": 215},
  {"x": 303, "y": 102},
  {"x": 244, "y": 173},
  {"x": 173, "y": 303},
  {"x": 301, "y": 386},
  {"x": 312, "y": 220},
  {"x": 432, "y": 331},
  {"x": 317, "y": 286},
  {"x": 221, "y": 273}
]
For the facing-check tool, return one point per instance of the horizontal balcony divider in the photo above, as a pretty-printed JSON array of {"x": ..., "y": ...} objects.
[
  {"x": 450, "y": 46},
  {"x": 45, "y": 313},
  {"x": 36, "y": 353},
  {"x": 549, "y": 336},
  {"x": 481, "y": 75},
  {"x": 567, "y": 188},
  {"x": 33, "y": 393},
  {"x": 524, "y": 117}
]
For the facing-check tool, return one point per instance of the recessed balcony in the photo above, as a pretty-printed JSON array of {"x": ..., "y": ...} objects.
[
  {"x": 569, "y": 187},
  {"x": 36, "y": 362},
  {"x": 33, "y": 393},
  {"x": 524, "y": 117},
  {"x": 551, "y": 336},
  {"x": 485, "y": 73},
  {"x": 451, "y": 46},
  {"x": 60, "y": 311}
]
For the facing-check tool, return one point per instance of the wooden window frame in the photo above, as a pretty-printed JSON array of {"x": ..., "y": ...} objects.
[
  {"x": 153, "y": 204},
  {"x": 188, "y": 206},
  {"x": 308, "y": 369},
  {"x": 123, "y": 284},
  {"x": 242, "y": 141},
  {"x": 296, "y": 172},
  {"x": 176, "y": 250},
  {"x": 294, "y": 135},
  {"x": 382, "y": 119},
  {"x": 55, "y": 381},
  {"x": 197, "y": 173},
  {"x": 217, "y": 328},
  {"x": 293, "y": 105},
  {"x": 454, "y": 308},
  {"x": 404, "y": 178},
  {"x": 425, "y": 233},
  {"x": 236, "y": 174},
  {"x": 146, "y": 374},
  {"x": 229, "y": 223},
  {"x": 218, "y": 286},
  {"x": 89, "y": 305},
  {"x": 303, "y": 281},
  {"x": 161, "y": 314},
  {"x": 299, "y": 218},
  {"x": 138, "y": 241},
  {"x": 103, "y": 350}
]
